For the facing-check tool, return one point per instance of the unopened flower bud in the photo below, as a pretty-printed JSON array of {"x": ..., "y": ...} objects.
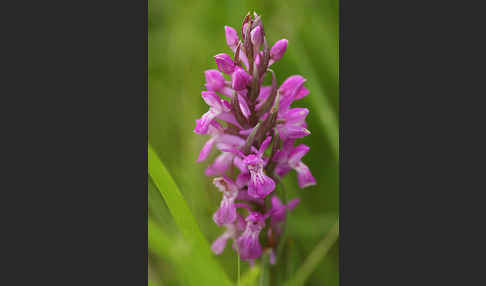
[
  {"x": 214, "y": 80},
  {"x": 278, "y": 49},
  {"x": 231, "y": 37},
  {"x": 225, "y": 63},
  {"x": 240, "y": 79},
  {"x": 257, "y": 36}
]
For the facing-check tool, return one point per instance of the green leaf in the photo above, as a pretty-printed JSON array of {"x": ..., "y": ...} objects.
[
  {"x": 317, "y": 254},
  {"x": 195, "y": 247}
]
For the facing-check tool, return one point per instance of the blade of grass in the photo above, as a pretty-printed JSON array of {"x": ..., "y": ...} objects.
[
  {"x": 158, "y": 241},
  {"x": 174, "y": 199},
  {"x": 190, "y": 266},
  {"x": 318, "y": 99},
  {"x": 185, "y": 221},
  {"x": 317, "y": 254},
  {"x": 172, "y": 250}
]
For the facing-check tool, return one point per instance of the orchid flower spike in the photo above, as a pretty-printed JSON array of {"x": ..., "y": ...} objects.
[{"x": 252, "y": 130}]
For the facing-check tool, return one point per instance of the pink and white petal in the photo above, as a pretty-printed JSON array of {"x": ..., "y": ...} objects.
[
  {"x": 211, "y": 99},
  {"x": 231, "y": 37},
  {"x": 219, "y": 244},
  {"x": 242, "y": 179},
  {"x": 231, "y": 140},
  {"x": 203, "y": 123},
  {"x": 229, "y": 117},
  {"x": 244, "y": 106},
  {"x": 303, "y": 92},
  {"x": 238, "y": 162},
  {"x": 206, "y": 150},
  {"x": 296, "y": 155},
  {"x": 293, "y": 203},
  {"x": 220, "y": 164},
  {"x": 295, "y": 115},
  {"x": 264, "y": 145},
  {"x": 264, "y": 93},
  {"x": 304, "y": 176}
]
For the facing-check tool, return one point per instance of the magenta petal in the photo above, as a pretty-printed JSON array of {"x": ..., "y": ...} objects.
[
  {"x": 229, "y": 117},
  {"x": 243, "y": 196},
  {"x": 248, "y": 243},
  {"x": 244, "y": 106},
  {"x": 231, "y": 37},
  {"x": 278, "y": 210},
  {"x": 242, "y": 179},
  {"x": 278, "y": 49},
  {"x": 220, "y": 164},
  {"x": 303, "y": 92},
  {"x": 202, "y": 124},
  {"x": 291, "y": 85},
  {"x": 264, "y": 144},
  {"x": 249, "y": 247},
  {"x": 238, "y": 162},
  {"x": 304, "y": 176},
  {"x": 260, "y": 185},
  {"x": 240, "y": 79},
  {"x": 214, "y": 80},
  {"x": 226, "y": 213},
  {"x": 225, "y": 63},
  {"x": 258, "y": 58},
  {"x": 293, "y": 203},
  {"x": 289, "y": 131},
  {"x": 212, "y": 99},
  {"x": 282, "y": 170},
  {"x": 264, "y": 93},
  {"x": 231, "y": 140},
  {"x": 256, "y": 36},
  {"x": 295, "y": 115},
  {"x": 206, "y": 150},
  {"x": 243, "y": 58},
  {"x": 219, "y": 244},
  {"x": 277, "y": 203},
  {"x": 290, "y": 89},
  {"x": 296, "y": 155},
  {"x": 227, "y": 91},
  {"x": 246, "y": 132}
]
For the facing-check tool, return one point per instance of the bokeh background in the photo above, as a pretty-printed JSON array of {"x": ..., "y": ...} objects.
[{"x": 183, "y": 37}]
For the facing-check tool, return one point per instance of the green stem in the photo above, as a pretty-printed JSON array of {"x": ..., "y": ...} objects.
[{"x": 239, "y": 272}]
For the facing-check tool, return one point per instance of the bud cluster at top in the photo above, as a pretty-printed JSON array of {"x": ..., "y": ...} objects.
[{"x": 254, "y": 128}]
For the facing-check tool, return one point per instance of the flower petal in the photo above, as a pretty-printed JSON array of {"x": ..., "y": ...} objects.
[
  {"x": 206, "y": 150},
  {"x": 296, "y": 155},
  {"x": 304, "y": 176},
  {"x": 226, "y": 213}
]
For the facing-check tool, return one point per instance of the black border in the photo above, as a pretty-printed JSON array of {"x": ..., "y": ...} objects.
[{"x": 78, "y": 159}]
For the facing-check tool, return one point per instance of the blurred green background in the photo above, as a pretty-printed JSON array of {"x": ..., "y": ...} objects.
[{"x": 183, "y": 37}]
